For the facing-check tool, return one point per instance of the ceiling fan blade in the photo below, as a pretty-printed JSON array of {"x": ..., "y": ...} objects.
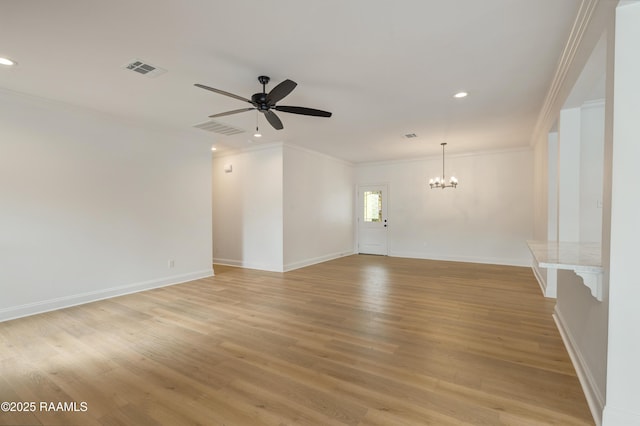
[
  {"x": 273, "y": 119},
  {"x": 303, "y": 111},
  {"x": 235, "y": 111},
  {"x": 280, "y": 91},
  {"x": 222, "y": 92}
]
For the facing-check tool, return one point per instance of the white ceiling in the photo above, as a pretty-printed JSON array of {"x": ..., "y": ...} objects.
[{"x": 383, "y": 68}]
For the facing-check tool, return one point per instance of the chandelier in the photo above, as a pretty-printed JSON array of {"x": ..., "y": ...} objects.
[{"x": 440, "y": 182}]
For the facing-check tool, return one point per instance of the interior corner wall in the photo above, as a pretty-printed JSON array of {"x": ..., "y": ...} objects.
[
  {"x": 540, "y": 188},
  {"x": 486, "y": 219},
  {"x": 247, "y": 208},
  {"x": 545, "y": 206},
  {"x": 318, "y": 208},
  {"x": 95, "y": 206}
]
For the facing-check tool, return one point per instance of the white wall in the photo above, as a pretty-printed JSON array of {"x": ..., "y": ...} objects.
[
  {"x": 552, "y": 186},
  {"x": 543, "y": 166},
  {"x": 623, "y": 368},
  {"x": 486, "y": 219},
  {"x": 93, "y": 206},
  {"x": 581, "y": 318},
  {"x": 583, "y": 132},
  {"x": 545, "y": 203},
  {"x": 583, "y": 321},
  {"x": 247, "y": 209},
  {"x": 569, "y": 141},
  {"x": 281, "y": 208},
  {"x": 318, "y": 207},
  {"x": 581, "y": 162},
  {"x": 591, "y": 170}
]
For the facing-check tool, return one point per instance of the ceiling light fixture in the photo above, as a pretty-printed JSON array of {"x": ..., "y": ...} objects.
[
  {"x": 213, "y": 148},
  {"x": 440, "y": 182},
  {"x": 6, "y": 61},
  {"x": 461, "y": 95}
]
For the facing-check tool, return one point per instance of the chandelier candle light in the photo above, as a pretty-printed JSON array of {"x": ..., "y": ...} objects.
[{"x": 440, "y": 182}]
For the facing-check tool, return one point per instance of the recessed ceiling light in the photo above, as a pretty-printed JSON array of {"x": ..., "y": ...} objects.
[
  {"x": 6, "y": 61},
  {"x": 213, "y": 148},
  {"x": 460, "y": 95}
]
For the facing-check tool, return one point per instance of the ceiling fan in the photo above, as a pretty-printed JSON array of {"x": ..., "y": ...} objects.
[{"x": 266, "y": 102}]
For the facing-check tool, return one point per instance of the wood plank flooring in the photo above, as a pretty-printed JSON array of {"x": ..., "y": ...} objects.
[{"x": 362, "y": 340}]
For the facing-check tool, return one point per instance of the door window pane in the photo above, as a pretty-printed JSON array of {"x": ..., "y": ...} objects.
[{"x": 373, "y": 206}]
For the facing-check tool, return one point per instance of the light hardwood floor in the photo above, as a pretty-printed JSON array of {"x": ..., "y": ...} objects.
[{"x": 362, "y": 340}]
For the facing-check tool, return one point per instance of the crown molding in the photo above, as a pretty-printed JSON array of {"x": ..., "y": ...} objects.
[
  {"x": 553, "y": 100},
  {"x": 477, "y": 153}
]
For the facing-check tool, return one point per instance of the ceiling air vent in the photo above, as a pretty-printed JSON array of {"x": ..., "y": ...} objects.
[
  {"x": 144, "y": 68},
  {"x": 216, "y": 127},
  {"x": 410, "y": 135}
]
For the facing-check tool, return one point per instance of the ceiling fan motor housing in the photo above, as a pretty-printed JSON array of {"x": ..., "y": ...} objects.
[{"x": 259, "y": 100}]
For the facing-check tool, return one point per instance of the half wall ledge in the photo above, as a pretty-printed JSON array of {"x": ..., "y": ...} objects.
[{"x": 585, "y": 259}]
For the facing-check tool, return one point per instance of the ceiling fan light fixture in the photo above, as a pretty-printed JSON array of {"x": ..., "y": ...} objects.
[
  {"x": 7, "y": 62},
  {"x": 257, "y": 134}
]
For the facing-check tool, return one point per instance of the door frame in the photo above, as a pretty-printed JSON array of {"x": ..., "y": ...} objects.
[{"x": 358, "y": 212}]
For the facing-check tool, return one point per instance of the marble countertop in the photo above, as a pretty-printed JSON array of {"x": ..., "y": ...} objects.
[{"x": 567, "y": 255}]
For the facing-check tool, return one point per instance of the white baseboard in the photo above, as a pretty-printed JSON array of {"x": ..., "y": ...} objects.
[
  {"x": 548, "y": 285},
  {"x": 315, "y": 260},
  {"x": 93, "y": 296},
  {"x": 248, "y": 265},
  {"x": 312, "y": 261},
  {"x": 281, "y": 268},
  {"x": 594, "y": 396},
  {"x": 469, "y": 259},
  {"x": 542, "y": 282}
]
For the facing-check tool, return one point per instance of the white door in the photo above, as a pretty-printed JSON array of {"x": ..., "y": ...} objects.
[{"x": 372, "y": 219}]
